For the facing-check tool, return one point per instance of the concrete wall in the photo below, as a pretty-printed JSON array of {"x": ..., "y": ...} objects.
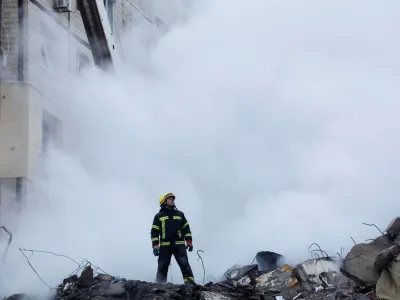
[
  {"x": 24, "y": 111},
  {"x": 41, "y": 47},
  {"x": 12, "y": 34},
  {"x": 14, "y": 118},
  {"x": 170, "y": 12},
  {"x": 51, "y": 46}
]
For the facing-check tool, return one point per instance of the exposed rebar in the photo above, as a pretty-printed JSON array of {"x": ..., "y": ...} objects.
[
  {"x": 34, "y": 270},
  {"x": 323, "y": 253},
  {"x": 84, "y": 263},
  {"x": 374, "y": 226},
  {"x": 49, "y": 252},
  {"x": 8, "y": 243},
  {"x": 204, "y": 269}
]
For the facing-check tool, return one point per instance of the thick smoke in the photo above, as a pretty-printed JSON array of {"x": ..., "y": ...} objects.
[{"x": 275, "y": 124}]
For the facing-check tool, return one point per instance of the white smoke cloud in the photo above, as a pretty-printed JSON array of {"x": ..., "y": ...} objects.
[{"x": 275, "y": 125}]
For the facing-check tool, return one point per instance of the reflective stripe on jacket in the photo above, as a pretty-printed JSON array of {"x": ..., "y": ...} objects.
[{"x": 170, "y": 228}]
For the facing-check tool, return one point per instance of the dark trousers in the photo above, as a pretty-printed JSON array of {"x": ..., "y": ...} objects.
[{"x": 164, "y": 260}]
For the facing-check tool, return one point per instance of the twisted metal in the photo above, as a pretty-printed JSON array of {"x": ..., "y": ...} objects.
[
  {"x": 204, "y": 269},
  {"x": 81, "y": 266},
  {"x": 315, "y": 255},
  {"x": 375, "y": 227},
  {"x": 8, "y": 243}
]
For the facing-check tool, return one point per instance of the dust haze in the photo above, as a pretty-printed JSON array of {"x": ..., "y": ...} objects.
[{"x": 275, "y": 124}]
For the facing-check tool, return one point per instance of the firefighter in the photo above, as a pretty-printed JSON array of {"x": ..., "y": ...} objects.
[{"x": 169, "y": 232}]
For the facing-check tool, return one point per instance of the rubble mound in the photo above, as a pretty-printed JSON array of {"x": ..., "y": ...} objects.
[
  {"x": 369, "y": 270},
  {"x": 245, "y": 282}
]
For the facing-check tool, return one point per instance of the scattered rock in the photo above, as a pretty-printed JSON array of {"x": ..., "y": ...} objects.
[{"x": 104, "y": 277}]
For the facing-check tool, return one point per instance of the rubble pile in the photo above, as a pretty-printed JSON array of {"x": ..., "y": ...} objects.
[
  {"x": 369, "y": 271},
  {"x": 374, "y": 265}
]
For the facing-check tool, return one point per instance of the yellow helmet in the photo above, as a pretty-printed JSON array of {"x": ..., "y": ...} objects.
[{"x": 165, "y": 196}]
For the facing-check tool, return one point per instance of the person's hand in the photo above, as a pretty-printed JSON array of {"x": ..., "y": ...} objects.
[
  {"x": 189, "y": 246},
  {"x": 156, "y": 250}
]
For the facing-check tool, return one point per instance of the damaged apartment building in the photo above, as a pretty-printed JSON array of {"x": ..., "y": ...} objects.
[{"x": 40, "y": 42}]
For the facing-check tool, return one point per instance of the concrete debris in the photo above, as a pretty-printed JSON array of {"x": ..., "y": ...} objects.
[
  {"x": 139, "y": 290},
  {"x": 212, "y": 296},
  {"x": 365, "y": 261},
  {"x": 237, "y": 272},
  {"x": 359, "y": 262},
  {"x": 285, "y": 283},
  {"x": 277, "y": 280},
  {"x": 375, "y": 265},
  {"x": 393, "y": 228},
  {"x": 317, "y": 273},
  {"x": 370, "y": 271}
]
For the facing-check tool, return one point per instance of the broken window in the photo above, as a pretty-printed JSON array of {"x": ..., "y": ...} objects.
[
  {"x": 3, "y": 63},
  {"x": 50, "y": 132},
  {"x": 1, "y": 192},
  {"x": 110, "y": 8},
  {"x": 48, "y": 48},
  {"x": 12, "y": 192}
]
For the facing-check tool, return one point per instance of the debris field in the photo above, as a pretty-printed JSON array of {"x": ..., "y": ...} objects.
[{"x": 369, "y": 271}]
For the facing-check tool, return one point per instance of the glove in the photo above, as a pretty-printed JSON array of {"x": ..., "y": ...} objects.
[
  {"x": 156, "y": 250},
  {"x": 189, "y": 246}
]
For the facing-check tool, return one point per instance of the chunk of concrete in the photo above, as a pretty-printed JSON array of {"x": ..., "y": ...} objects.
[
  {"x": 237, "y": 272},
  {"x": 110, "y": 289},
  {"x": 317, "y": 272},
  {"x": 104, "y": 277},
  {"x": 393, "y": 229},
  {"x": 86, "y": 277},
  {"x": 213, "y": 296},
  {"x": 358, "y": 265},
  {"x": 278, "y": 280},
  {"x": 71, "y": 279}
]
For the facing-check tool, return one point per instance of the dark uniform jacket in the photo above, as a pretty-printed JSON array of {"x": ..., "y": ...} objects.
[{"x": 170, "y": 227}]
